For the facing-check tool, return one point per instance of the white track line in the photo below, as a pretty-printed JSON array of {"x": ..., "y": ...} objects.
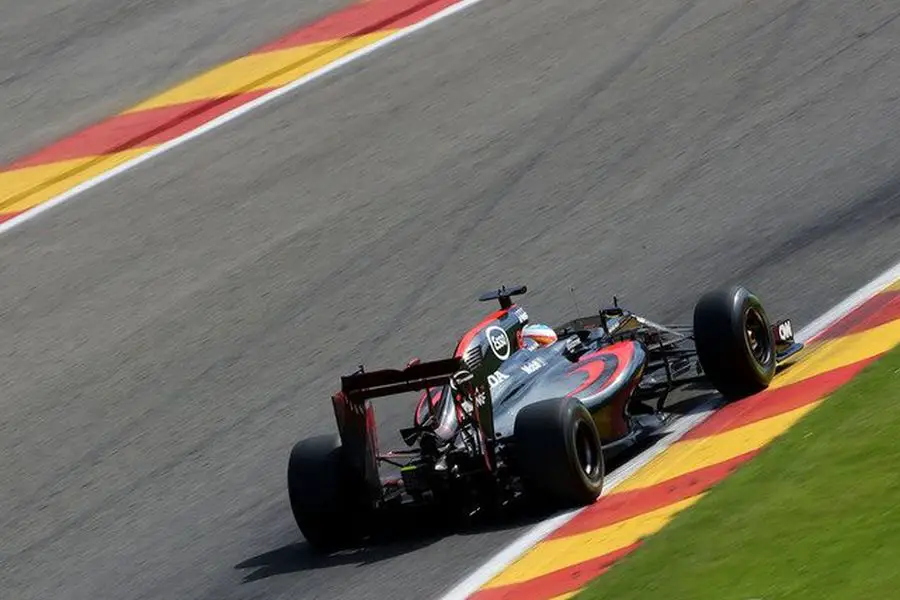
[
  {"x": 851, "y": 302},
  {"x": 232, "y": 115},
  {"x": 508, "y": 555}
]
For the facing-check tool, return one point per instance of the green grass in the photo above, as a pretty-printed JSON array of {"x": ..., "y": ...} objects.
[{"x": 815, "y": 516}]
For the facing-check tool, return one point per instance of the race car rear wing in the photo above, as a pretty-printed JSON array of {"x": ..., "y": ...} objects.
[
  {"x": 363, "y": 385},
  {"x": 356, "y": 418}
]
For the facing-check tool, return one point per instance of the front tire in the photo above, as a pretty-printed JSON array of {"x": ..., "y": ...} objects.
[
  {"x": 558, "y": 453},
  {"x": 735, "y": 343},
  {"x": 324, "y": 495}
]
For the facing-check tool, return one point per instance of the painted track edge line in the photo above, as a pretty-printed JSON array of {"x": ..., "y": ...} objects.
[
  {"x": 850, "y": 303},
  {"x": 231, "y": 115},
  {"x": 518, "y": 547}
]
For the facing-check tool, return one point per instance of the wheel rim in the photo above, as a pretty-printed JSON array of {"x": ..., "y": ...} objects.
[
  {"x": 587, "y": 451},
  {"x": 757, "y": 336}
]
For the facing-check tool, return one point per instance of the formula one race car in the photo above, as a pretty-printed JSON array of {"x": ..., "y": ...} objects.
[{"x": 523, "y": 412}]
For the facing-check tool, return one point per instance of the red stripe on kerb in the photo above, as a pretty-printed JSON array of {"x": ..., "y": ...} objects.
[
  {"x": 878, "y": 310},
  {"x": 557, "y": 582},
  {"x": 8, "y": 216},
  {"x": 615, "y": 508},
  {"x": 361, "y": 19},
  {"x": 135, "y": 130},
  {"x": 774, "y": 402}
]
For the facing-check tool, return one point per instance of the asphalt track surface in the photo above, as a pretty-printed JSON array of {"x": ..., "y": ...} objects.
[
  {"x": 169, "y": 335},
  {"x": 67, "y": 64}
]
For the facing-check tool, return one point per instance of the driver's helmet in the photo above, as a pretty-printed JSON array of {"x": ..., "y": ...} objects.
[{"x": 536, "y": 335}]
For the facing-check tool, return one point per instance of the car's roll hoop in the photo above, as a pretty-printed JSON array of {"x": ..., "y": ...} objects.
[{"x": 503, "y": 294}]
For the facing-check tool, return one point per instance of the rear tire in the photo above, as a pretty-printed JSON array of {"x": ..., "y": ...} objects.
[
  {"x": 735, "y": 343},
  {"x": 324, "y": 495},
  {"x": 558, "y": 453}
]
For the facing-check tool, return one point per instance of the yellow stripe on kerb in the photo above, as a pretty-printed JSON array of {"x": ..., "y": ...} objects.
[
  {"x": 21, "y": 189},
  {"x": 559, "y": 553},
  {"x": 261, "y": 71},
  {"x": 567, "y": 596},
  {"x": 688, "y": 456}
]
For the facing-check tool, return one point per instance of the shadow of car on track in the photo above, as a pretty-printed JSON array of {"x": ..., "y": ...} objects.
[
  {"x": 403, "y": 538},
  {"x": 297, "y": 557}
]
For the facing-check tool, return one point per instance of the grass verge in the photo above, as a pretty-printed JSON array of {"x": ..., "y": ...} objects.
[{"x": 815, "y": 515}]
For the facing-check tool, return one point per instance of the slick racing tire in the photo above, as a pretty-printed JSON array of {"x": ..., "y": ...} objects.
[
  {"x": 558, "y": 453},
  {"x": 735, "y": 343},
  {"x": 324, "y": 496}
]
